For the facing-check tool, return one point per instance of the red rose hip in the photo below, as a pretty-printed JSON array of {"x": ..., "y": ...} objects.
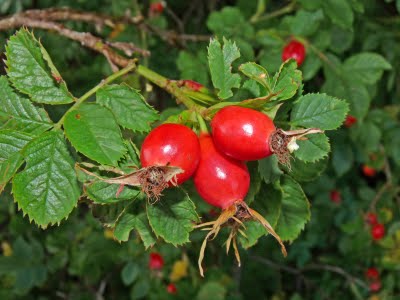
[
  {"x": 378, "y": 231},
  {"x": 372, "y": 273},
  {"x": 368, "y": 171},
  {"x": 171, "y": 288},
  {"x": 294, "y": 49},
  {"x": 371, "y": 218},
  {"x": 156, "y": 261},
  {"x": 242, "y": 133}
]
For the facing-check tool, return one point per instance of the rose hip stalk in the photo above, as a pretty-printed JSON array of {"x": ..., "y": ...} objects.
[
  {"x": 224, "y": 182},
  {"x": 169, "y": 156},
  {"x": 247, "y": 134}
]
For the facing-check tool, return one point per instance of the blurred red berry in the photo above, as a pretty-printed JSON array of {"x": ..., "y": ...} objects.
[
  {"x": 335, "y": 196},
  {"x": 156, "y": 261},
  {"x": 368, "y": 171},
  {"x": 157, "y": 7},
  {"x": 350, "y": 121},
  {"x": 375, "y": 286},
  {"x": 193, "y": 85},
  {"x": 171, "y": 288},
  {"x": 371, "y": 218},
  {"x": 378, "y": 231},
  {"x": 372, "y": 273},
  {"x": 295, "y": 50}
]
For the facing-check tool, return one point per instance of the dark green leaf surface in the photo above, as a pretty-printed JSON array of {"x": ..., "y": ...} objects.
[
  {"x": 287, "y": 80},
  {"x": 94, "y": 132},
  {"x": 105, "y": 193},
  {"x": 314, "y": 148},
  {"x": 30, "y": 73},
  {"x": 173, "y": 216},
  {"x": 19, "y": 113},
  {"x": 47, "y": 189},
  {"x": 128, "y": 106}
]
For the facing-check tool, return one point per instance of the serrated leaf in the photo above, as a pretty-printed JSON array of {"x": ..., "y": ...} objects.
[
  {"x": 295, "y": 210},
  {"x": 128, "y": 106},
  {"x": 212, "y": 290},
  {"x": 104, "y": 193},
  {"x": 29, "y": 72},
  {"x": 304, "y": 23},
  {"x": 256, "y": 72},
  {"x": 315, "y": 147},
  {"x": 269, "y": 169},
  {"x": 130, "y": 272},
  {"x": 47, "y": 189},
  {"x": 307, "y": 171},
  {"x": 286, "y": 81},
  {"x": 220, "y": 60},
  {"x": 110, "y": 214},
  {"x": 366, "y": 67},
  {"x": 319, "y": 110},
  {"x": 94, "y": 132},
  {"x": 19, "y": 113},
  {"x": 11, "y": 143},
  {"x": 193, "y": 67},
  {"x": 143, "y": 228},
  {"x": 172, "y": 216}
]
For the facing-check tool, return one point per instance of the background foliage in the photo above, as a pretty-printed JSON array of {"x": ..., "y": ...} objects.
[{"x": 353, "y": 53}]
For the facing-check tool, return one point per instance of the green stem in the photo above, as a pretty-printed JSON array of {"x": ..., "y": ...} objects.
[
  {"x": 170, "y": 86},
  {"x": 284, "y": 10},
  {"x": 202, "y": 123},
  {"x": 88, "y": 94}
]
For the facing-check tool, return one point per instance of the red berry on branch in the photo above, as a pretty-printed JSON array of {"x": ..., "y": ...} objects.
[
  {"x": 335, "y": 196},
  {"x": 156, "y": 261},
  {"x": 378, "y": 231},
  {"x": 371, "y": 218},
  {"x": 368, "y": 171},
  {"x": 157, "y": 7},
  {"x": 171, "y": 288},
  {"x": 372, "y": 273},
  {"x": 375, "y": 286},
  {"x": 294, "y": 49},
  {"x": 350, "y": 121}
]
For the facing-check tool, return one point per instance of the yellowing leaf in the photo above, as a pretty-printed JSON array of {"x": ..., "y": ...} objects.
[
  {"x": 109, "y": 234},
  {"x": 6, "y": 247},
  {"x": 179, "y": 269}
]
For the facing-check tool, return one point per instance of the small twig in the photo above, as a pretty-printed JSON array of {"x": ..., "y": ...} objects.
[{"x": 277, "y": 13}]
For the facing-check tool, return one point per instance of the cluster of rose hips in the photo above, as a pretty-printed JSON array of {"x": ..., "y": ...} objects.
[
  {"x": 377, "y": 229},
  {"x": 156, "y": 263},
  {"x": 372, "y": 275}
]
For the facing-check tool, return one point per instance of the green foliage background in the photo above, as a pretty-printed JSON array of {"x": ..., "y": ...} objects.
[{"x": 353, "y": 53}]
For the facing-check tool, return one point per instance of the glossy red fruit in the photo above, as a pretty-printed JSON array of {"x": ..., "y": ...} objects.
[
  {"x": 294, "y": 49},
  {"x": 378, "y": 231},
  {"x": 220, "y": 180},
  {"x": 372, "y": 273},
  {"x": 156, "y": 261},
  {"x": 172, "y": 145},
  {"x": 350, "y": 121},
  {"x": 368, "y": 171},
  {"x": 371, "y": 218},
  {"x": 242, "y": 133},
  {"x": 171, "y": 288},
  {"x": 375, "y": 286},
  {"x": 193, "y": 85},
  {"x": 335, "y": 196},
  {"x": 157, "y": 7}
]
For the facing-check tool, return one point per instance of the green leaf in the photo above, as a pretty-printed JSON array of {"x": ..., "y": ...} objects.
[
  {"x": 229, "y": 22},
  {"x": 193, "y": 67},
  {"x": 255, "y": 182},
  {"x": 172, "y": 217},
  {"x": 269, "y": 169},
  {"x": 315, "y": 147},
  {"x": 104, "y": 193},
  {"x": 256, "y": 72},
  {"x": 366, "y": 67},
  {"x": 140, "y": 289},
  {"x": 47, "y": 189},
  {"x": 30, "y": 73},
  {"x": 305, "y": 23},
  {"x": 11, "y": 143},
  {"x": 287, "y": 80},
  {"x": 94, "y": 132},
  {"x": 342, "y": 155},
  {"x": 110, "y": 214},
  {"x": 19, "y": 113},
  {"x": 128, "y": 106},
  {"x": 128, "y": 222},
  {"x": 295, "y": 210},
  {"x": 307, "y": 171},
  {"x": 130, "y": 272},
  {"x": 211, "y": 290},
  {"x": 339, "y": 11},
  {"x": 220, "y": 60},
  {"x": 319, "y": 110},
  {"x": 311, "y": 66},
  {"x": 28, "y": 272}
]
